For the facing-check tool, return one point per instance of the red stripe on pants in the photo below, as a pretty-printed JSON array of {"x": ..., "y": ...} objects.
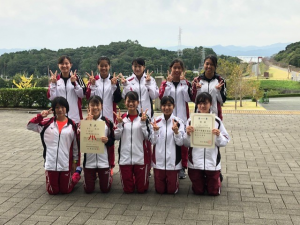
[
  {"x": 105, "y": 179},
  {"x": 166, "y": 181}
]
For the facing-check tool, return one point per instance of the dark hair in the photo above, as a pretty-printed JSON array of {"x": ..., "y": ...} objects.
[
  {"x": 62, "y": 58},
  {"x": 213, "y": 59},
  {"x": 177, "y": 61},
  {"x": 60, "y": 101},
  {"x": 203, "y": 97},
  {"x": 104, "y": 58},
  {"x": 95, "y": 99},
  {"x": 132, "y": 95},
  {"x": 138, "y": 61},
  {"x": 167, "y": 99}
]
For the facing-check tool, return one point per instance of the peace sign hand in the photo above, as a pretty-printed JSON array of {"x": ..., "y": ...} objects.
[
  {"x": 114, "y": 80},
  {"x": 92, "y": 79},
  {"x": 118, "y": 117},
  {"x": 169, "y": 77},
  {"x": 198, "y": 85},
  {"x": 219, "y": 86},
  {"x": 144, "y": 115},
  {"x": 154, "y": 125},
  {"x": 73, "y": 76},
  {"x": 148, "y": 78},
  {"x": 182, "y": 76},
  {"x": 175, "y": 126},
  {"x": 121, "y": 77},
  {"x": 90, "y": 115},
  {"x": 53, "y": 78},
  {"x": 45, "y": 113}
]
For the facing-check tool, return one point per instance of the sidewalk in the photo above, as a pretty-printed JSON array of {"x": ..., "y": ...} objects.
[{"x": 261, "y": 181}]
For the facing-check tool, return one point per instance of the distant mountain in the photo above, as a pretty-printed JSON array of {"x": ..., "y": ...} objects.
[{"x": 4, "y": 50}]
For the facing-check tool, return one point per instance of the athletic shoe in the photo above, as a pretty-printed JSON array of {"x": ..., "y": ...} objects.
[{"x": 182, "y": 174}]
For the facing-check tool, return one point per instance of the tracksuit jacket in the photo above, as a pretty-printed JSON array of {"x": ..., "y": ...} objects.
[
  {"x": 109, "y": 93},
  {"x": 72, "y": 92},
  {"x": 60, "y": 149},
  {"x": 147, "y": 91},
  {"x": 181, "y": 94},
  {"x": 207, "y": 158},
  {"x": 167, "y": 145},
  {"x": 132, "y": 150}
]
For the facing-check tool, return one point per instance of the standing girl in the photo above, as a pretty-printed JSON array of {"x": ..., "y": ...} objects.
[
  {"x": 167, "y": 140},
  {"x": 179, "y": 88},
  {"x": 58, "y": 136},
  {"x": 99, "y": 163},
  {"x": 212, "y": 83},
  {"x": 68, "y": 85},
  {"x": 205, "y": 163},
  {"x": 133, "y": 129}
]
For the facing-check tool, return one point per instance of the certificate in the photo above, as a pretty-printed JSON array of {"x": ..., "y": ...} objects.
[
  {"x": 203, "y": 123},
  {"x": 91, "y": 132}
]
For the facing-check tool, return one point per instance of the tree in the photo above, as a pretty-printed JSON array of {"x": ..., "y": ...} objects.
[{"x": 25, "y": 82}]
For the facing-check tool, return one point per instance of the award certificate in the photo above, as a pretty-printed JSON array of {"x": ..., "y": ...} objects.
[
  {"x": 203, "y": 124},
  {"x": 91, "y": 132}
]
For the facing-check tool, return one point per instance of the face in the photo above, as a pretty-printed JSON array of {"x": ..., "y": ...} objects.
[
  {"x": 209, "y": 67},
  {"x": 95, "y": 109},
  {"x": 60, "y": 111},
  {"x": 176, "y": 70},
  {"x": 103, "y": 68},
  {"x": 138, "y": 69},
  {"x": 65, "y": 66},
  {"x": 167, "y": 109},
  {"x": 131, "y": 104},
  {"x": 204, "y": 107}
]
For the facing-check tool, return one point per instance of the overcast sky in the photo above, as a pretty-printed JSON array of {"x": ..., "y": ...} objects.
[{"x": 154, "y": 23}]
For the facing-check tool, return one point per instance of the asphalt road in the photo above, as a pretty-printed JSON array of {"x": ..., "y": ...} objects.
[{"x": 286, "y": 103}]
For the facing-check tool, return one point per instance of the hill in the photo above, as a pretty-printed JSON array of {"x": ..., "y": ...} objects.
[{"x": 290, "y": 56}]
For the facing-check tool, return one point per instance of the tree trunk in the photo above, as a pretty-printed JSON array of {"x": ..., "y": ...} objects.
[{"x": 241, "y": 102}]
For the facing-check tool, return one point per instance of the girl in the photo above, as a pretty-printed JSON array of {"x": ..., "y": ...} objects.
[
  {"x": 179, "y": 88},
  {"x": 106, "y": 87},
  {"x": 167, "y": 139},
  {"x": 205, "y": 163},
  {"x": 132, "y": 130},
  {"x": 212, "y": 83},
  {"x": 58, "y": 136},
  {"x": 99, "y": 163},
  {"x": 68, "y": 85}
]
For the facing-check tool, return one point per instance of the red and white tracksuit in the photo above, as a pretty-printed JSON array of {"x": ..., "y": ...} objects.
[
  {"x": 60, "y": 149},
  {"x": 205, "y": 163},
  {"x": 133, "y": 154},
  {"x": 166, "y": 158},
  {"x": 72, "y": 92},
  {"x": 182, "y": 96},
  {"x": 101, "y": 164}
]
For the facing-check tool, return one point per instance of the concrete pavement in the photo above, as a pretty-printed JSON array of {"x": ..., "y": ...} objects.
[{"x": 261, "y": 181}]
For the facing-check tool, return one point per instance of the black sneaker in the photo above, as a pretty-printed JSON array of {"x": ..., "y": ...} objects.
[{"x": 182, "y": 174}]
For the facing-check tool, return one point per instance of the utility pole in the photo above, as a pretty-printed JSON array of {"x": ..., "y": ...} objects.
[
  {"x": 179, "y": 50},
  {"x": 257, "y": 69}
]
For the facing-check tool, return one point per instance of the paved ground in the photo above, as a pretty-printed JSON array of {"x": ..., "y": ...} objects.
[
  {"x": 261, "y": 181},
  {"x": 286, "y": 103}
]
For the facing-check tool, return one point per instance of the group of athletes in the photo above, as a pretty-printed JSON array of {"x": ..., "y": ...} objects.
[{"x": 145, "y": 142}]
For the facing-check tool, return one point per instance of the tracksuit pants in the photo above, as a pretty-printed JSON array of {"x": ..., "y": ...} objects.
[
  {"x": 166, "y": 181},
  {"x": 105, "y": 179}
]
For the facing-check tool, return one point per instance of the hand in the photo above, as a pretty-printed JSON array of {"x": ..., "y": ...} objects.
[
  {"x": 121, "y": 77},
  {"x": 154, "y": 125},
  {"x": 148, "y": 78},
  {"x": 219, "y": 86},
  {"x": 216, "y": 132},
  {"x": 190, "y": 130},
  {"x": 169, "y": 77},
  {"x": 144, "y": 115},
  {"x": 114, "y": 80},
  {"x": 90, "y": 115},
  {"x": 73, "y": 76},
  {"x": 182, "y": 76},
  {"x": 118, "y": 117},
  {"x": 104, "y": 140},
  {"x": 45, "y": 113},
  {"x": 53, "y": 77},
  {"x": 92, "y": 79},
  {"x": 175, "y": 126},
  {"x": 198, "y": 85}
]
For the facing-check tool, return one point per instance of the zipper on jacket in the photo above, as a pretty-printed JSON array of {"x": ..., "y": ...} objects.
[
  {"x": 204, "y": 157},
  {"x": 166, "y": 145},
  {"x": 103, "y": 96},
  {"x": 176, "y": 98},
  {"x": 131, "y": 140},
  {"x": 66, "y": 94},
  {"x": 57, "y": 151},
  {"x": 96, "y": 161},
  {"x": 140, "y": 94}
]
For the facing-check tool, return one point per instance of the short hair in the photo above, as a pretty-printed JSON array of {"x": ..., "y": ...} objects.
[
  {"x": 213, "y": 59},
  {"x": 177, "y": 61},
  {"x": 203, "y": 97},
  {"x": 132, "y": 95},
  {"x": 62, "y": 58},
  {"x": 95, "y": 99},
  {"x": 104, "y": 58},
  {"x": 167, "y": 99},
  {"x": 138, "y": 61},
  {"x": 60, "y": 101}
]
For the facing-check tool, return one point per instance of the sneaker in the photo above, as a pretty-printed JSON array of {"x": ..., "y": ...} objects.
[
  {"x": 76, "y": 176},
  {"x": 182, "y": 174},
  {"x": 78, "y": 170},
  {"x": 150, "y": 175}
]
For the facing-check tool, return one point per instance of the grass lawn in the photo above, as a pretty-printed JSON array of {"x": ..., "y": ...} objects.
[
  {"x": 280, "y": 84},
  {"x": 277, "y": 74}
]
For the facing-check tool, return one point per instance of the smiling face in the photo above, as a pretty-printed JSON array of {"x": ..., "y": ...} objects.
[
  {"x": 103, "y": 68},
  {"x": 176, "y": 71},
  {"x": 137, "y": 69},
  {"x": 209, "y": 67},
  {"x": 204, "y": 107},
  {"x": 65, "y": 67},
  {"x": 95, "y": 109},
  {"x": 60, "y": 112},
  {"x": 167, "y": 109}
]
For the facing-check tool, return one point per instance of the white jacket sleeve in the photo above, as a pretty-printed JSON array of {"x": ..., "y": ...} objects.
[
  {"x": 146, "y": 129},
  {"x": 75, "y": 148},
  {"x": 179, "y": 137},
  {"x": 126, "y": 88},
  {"x": 78, "y": 90},
  {"x": 35, "y": 123},
  {"x": 53, "y": 94},
  {"x": 118, "y": 132},
  {"x": 93, "y": 90},
  {"x": 152, "y": 88},
  {"x": 185, "y": 86},
  {"x": 186, "y": 137},
  {"x": 154, "y": 137},
  {"x": 223, "y": 138},
  {"x": 168, "y": 88}
]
